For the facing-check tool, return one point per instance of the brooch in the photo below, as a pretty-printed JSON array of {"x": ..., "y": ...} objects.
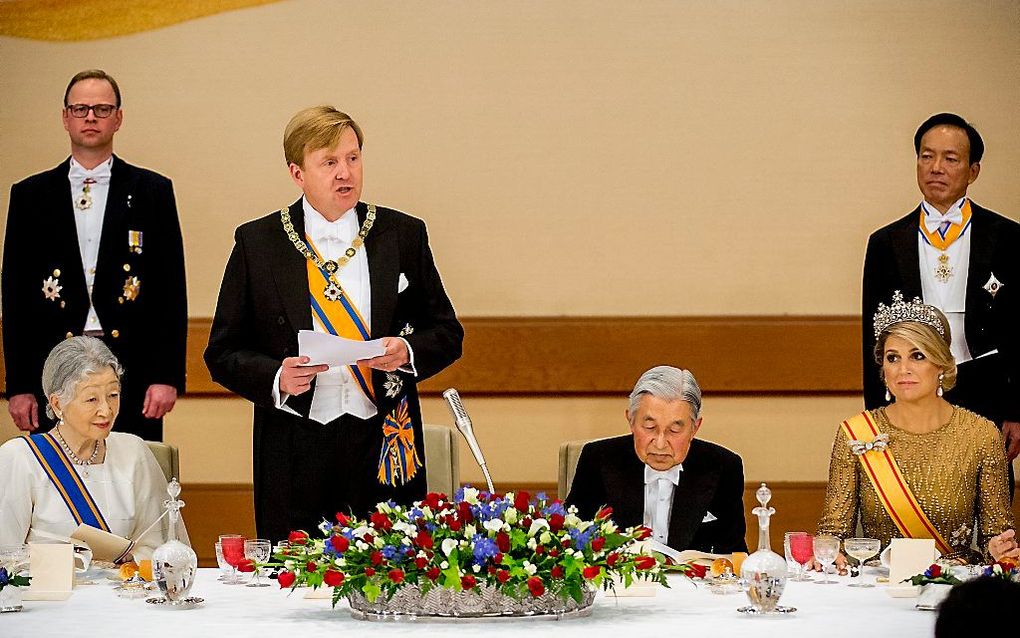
[
  {"x": 393, "y": 385},
  {"x": 878, "y": 444},
  {"x": 993, "y": 285},
  {"x": 51, "y": 288},
  {"x": 132, "y": 286}
]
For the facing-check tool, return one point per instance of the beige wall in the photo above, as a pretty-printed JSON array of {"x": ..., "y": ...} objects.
[
  {"x": 576, "y": 157},
  {"x": 571, "y": 158}
]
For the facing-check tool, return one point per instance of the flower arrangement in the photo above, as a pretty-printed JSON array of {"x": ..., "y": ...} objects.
[
  {"x": 934, "y": 575},
  {"x": 7, "y": 580},
  {"x": 520, "y": 546},
  {"x": 1006, "y": 570}
]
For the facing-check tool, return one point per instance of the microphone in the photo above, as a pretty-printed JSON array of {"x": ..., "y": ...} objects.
[{"x": 463, "y": 423}]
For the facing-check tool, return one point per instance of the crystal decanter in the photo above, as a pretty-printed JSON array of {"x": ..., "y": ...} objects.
[
  {"x": 173, "y": 563},
  {"x": 764, "y": 571}
]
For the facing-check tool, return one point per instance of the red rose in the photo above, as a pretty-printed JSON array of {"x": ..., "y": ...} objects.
[
  {"x": 421, "y": 562},
  {"x": 376, "y": 557},
  {"x": 591, "y": 572},
  {"x": 503, "y": 541},
  {"x": 311, "y": 566},
  {"x": 432, "y": 499},
  {"x": 286, "y": 579},
  {"x": 644, "y": 562},
  {"x": 604, "y": 513},
  {"x": 556, "y": 572},
  {"x": 936, "y": 571},
  {"x": 598, "y": 543},
  {"x": 556, "y": 522},
  {"x": 340, "y": 543},
  {"x": 368, "y": 538},
  {"x": 465, "y": 512},
  {"x": 369, "y": 572},
  {"x": 502, "y": 576},
  {"x": 333, "y": 578},
  {"x": 521, "y": 501},
  {"x": 396, "y": 575},
  {"x": 498, "y": 558},
  {"x": 455, "y": 525},
  {"x": 612, "y": 559},
  {"x": 642, "y": 533},
  {"x": 298, "y": 537},
  {"x": 553, "y": 553},
  {"x": 423, "y": 539},
  {"x": 492, "y": 569},
  {"x": 540, "y": 549},
  {"x": 409, "y": 553},
  {"x": 526, "y": 521},
  {"x": 343, "y": 519},
  {"x": 381, "y": 521},
  {"x": 535, "y": 586},
  {"x": 432, "y": 574},
  {"x": 697, "y": 571},
  {"x": 467, "y": 581},
  {"x": 246, "y": 565}
]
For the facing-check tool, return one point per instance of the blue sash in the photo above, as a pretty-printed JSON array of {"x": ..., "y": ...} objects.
[{"x": 68, "y": 484}]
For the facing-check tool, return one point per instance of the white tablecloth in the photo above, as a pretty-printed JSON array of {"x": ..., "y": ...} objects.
[{"x": 234, "y": 610}]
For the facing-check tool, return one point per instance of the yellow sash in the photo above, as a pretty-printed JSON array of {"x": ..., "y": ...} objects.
[
  {"x": 398, "y": 459},
  {"x": 954, "y": 232},
  {"x": 890, "y": 486}
]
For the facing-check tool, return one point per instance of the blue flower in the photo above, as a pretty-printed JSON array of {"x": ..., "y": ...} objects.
[
  {"x": 348, "y": 533},
  {"x": 541, "y": 496},
  {"x": 414, "y": 514},
  {"x": 4, "y": 578},
  {"x": 458, "y": 495},
  {"x": 431, "y": 527},
  {"x": 484, "y": 549},
  {"x": 389, "y": 551},
  {"x": 581, "y": 538},
  {"x": 555, "y": 508}
]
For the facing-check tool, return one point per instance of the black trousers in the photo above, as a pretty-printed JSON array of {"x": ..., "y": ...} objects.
[{"x": 305, "y": 472}]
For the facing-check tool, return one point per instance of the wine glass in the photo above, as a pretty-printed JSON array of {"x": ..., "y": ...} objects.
[
  {"x": 862, "y": 549},
  {"x": 826, "y": 550},
  {"x": 232, "y": 546},
  {"x": 257, "y": 550},
  {"x": 800, "y": 550},
  {"x": 226, "y": 571}
]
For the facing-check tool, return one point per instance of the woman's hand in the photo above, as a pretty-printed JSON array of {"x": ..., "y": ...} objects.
[
  {"x": 1004, "y": 546},
  {"x": 841, "y": 565}
]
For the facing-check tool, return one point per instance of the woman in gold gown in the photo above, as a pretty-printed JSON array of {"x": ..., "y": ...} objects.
[{"x": 952, "y": 459}]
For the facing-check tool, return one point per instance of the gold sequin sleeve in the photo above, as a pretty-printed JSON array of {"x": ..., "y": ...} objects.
[
  {"x": 839, "y": 515},
  {"x": 993, "y": 511}
]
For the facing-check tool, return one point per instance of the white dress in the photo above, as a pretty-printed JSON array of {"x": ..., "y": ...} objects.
[{"x": 128, "y": 487}]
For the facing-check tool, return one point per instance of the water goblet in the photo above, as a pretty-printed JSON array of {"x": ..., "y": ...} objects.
[
  {"x": 232, "y": 546},
  {"x": 257, "y": 550},
  {"x": 862, "y": 549},
  {"x": 802, "y": 549},
  {"x": 226, "y": 571},
  {"x": 799, "y": 573},
  {"x": 826, "y": 550}
]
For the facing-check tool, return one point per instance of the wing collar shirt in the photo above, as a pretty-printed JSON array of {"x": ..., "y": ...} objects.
[
  {"x": 89, "y": 222},
  {"x": 948, "y": 296},
  {"x": 336, "y": 392},
  {"x": 659, "y": 487}
]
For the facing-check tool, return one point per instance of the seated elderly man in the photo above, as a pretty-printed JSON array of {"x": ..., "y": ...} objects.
[{"x": 687, "y": 491}]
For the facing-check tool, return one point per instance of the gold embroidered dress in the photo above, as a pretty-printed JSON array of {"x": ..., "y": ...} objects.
[{"x": 957, "y": 473}]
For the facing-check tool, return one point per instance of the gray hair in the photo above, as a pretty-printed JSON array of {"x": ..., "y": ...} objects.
[
  {"x": 669, "y": 383},
  {"x": 70, "y": 361}
]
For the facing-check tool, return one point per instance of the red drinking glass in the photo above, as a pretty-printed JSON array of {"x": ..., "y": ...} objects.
[{"x": 802, "y": 548}]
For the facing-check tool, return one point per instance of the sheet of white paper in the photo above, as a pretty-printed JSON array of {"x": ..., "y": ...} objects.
[{"x": 336, "y": 351}]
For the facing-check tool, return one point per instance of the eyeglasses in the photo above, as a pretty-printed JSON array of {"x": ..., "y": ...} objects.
[{"x": 81, "y": 110}]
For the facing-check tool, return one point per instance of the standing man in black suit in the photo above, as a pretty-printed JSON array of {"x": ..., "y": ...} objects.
[
  {"x": 94, "y": 247},
  {"x": 343, "y": 438},
  {"x": 963, "y": 259},
  {"x": 687, "y": 491}
]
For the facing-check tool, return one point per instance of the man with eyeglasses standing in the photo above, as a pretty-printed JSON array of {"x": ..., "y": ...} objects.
[{"x": 94, "y": 247}]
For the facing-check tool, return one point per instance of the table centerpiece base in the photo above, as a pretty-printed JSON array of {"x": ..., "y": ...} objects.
[{"x": 408, "y": 604}]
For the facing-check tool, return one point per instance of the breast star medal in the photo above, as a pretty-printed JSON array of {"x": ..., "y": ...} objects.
[
  {"x": 943, "y": 271},
  {"x": 84, "y": 201},
  {"x": 993, "y": 286},
  {"x": 132, "y": 286},
  {"x": 51, "y": 288},
  {"x": 333, "y": 292}
]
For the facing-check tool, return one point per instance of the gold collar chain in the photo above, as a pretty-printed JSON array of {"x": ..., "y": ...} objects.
[{"x": 333, "y": 290}]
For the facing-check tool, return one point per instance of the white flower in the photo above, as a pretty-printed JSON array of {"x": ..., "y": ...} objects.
[
  {"x": 529, "y": 568},
  {"x": 405, "y": 527},
  {"x": 444, "y": 565},
  {"x": 476, "y": 568},
  {"x": 569, "y": 551},
  {"x": 532, "y": 543},
  {"x": 289, "y": 564},
  {"x": 545, "y": 537},
  {"x": 571, "y": 519},
  {"x": 384, "y": 507},
  {"x": 325, "y": 527},
  {"x": 470, "y": 530},
  {"x": 471, "y": 495},
  {"x": 360, "y": 544},
  {"x": 378, "y": 542},
  {"x": 361, "y": 531},
  {"x": 610, "y": 528},
  {"x": 340, "y": 562},
  {"x": 449, "y": 545},
  {"x": 493, "y": 525},
  {"x": 406, "y": 541},
  {"x": 510, "y": 515},
  {"x": 536, "y": 525},
  {"x": 464, "y": 543}
]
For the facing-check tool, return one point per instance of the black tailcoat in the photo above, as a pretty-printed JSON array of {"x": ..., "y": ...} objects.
[
  {"x": 147, "y": 334},
  {"x": 610, "y": 473}
]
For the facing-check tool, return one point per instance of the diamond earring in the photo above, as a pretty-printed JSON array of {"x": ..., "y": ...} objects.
[{"x": 940, "y": 391}]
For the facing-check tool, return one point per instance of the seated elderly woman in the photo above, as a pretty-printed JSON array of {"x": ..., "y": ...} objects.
[
  {"x": 109, "y": 480},
  {"x": 920, "y": 467}
]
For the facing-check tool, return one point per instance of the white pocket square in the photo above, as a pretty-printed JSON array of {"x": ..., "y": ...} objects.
[
  {"x": 402, "y": 284},
  {"x": 709, "y": 517}
]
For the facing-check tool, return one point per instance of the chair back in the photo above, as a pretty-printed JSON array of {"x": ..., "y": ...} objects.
[
  {"x": 570, "y": 451},
  {"x": 442, "y": 459},
  {"x": 168, "y": 458}
]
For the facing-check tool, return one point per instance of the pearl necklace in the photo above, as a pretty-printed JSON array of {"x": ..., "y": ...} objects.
[{"x": 74, "y": 457}]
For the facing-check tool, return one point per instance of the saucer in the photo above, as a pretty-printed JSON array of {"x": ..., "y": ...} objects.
[{"x": 186, "y": 603}]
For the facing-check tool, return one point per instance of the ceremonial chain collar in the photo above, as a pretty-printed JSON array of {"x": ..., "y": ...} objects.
[
  {"x": 331, "y": 267},
  {"x": 74, "y": 457}
]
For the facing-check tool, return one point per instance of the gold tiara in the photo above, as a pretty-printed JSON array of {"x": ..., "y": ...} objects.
[{"x": 899, "y": 311}]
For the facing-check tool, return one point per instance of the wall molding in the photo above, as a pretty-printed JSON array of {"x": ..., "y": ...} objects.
[{"x": 557, "y": 356}]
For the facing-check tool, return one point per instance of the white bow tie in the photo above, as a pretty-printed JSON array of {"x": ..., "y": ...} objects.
[
  {"x": 78, "y": 174},
  {"x": 933, "y": 220},
  {"x": 672, "y": 475}
]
